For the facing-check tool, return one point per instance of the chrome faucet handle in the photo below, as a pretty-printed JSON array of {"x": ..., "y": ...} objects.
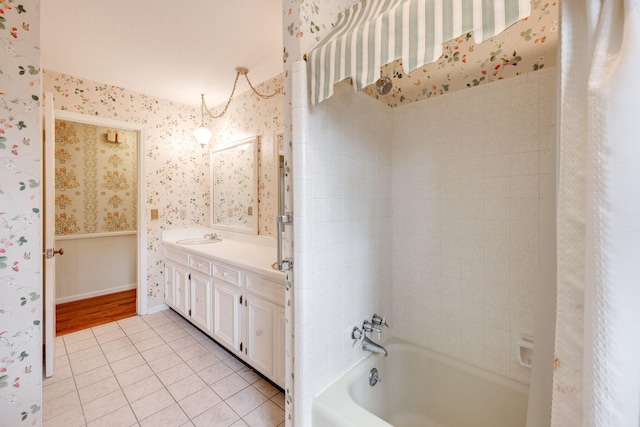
[
  {"x": 358, "y": 336},
  {"x": 368, "y": 327},
  {"x": 381, "y": 321}
]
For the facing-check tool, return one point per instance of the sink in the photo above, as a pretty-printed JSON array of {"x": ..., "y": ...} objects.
[{"x": 198, "y": 241}]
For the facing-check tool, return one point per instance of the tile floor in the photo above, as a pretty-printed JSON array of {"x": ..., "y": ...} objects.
[{"x": 156, "y": 370}]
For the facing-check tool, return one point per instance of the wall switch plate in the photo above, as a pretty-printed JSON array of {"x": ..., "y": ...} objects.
[
  {"x": 250, "y": 210},
  {"x": 154, "y": 214},
  {"x": 183, "y": 214}
]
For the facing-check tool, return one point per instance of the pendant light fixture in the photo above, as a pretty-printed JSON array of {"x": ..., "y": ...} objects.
[{"x": 202, "y": 133}]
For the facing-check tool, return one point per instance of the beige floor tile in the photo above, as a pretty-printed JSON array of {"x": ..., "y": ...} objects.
[
  {"x": 110, "y": 336},
  {"x": 170, "y": 416},
  {"x": 104, "y": 405},
  {"x": 116, "y": 344},
  {"x": 72, "y": 418},
  {"x": 186, "y": 341},
  {"x": 97, "y": 390},
  {"x": 174, "y": 335},
  {"x": 186, "y": 386},
  {"x": 199, "y": 402},
  {"x": 85, "y": 354},
  {"x": 175, "y": 373},
  {"x": 234, "y": 363},
  {"x": 156, "y": 319},
  {"x": 215, "y": 373},
  {"x": 127, "y": 363},
  {"x": 105, "y": 329},
  {"x": 246, "y": 401},
  {"x": 149, "y": 343},
  {"x": 196, "y": 350},
  {"x": 166, "y": 362},
  {"x": 278, "y": 399},
  {"x": 167, "y": 327},
  {"x": 77, "y": 336},
  {"x": 239, "y": 423},
  {"x": 122, "y": 417},
  {"x": 157, "y": 352},
  {"x": 230, "y": 385},
  {"x": 93, "y": 376},
  {"x": 249, "y": 375},
  {"x": 147, "y": 334},
  {"x": 60, "y": 405},
  {"x": 266, "y": 415},
  {"x": 60, "y": 388},
  {"x": 266, "y": 388},
  {"x": 88, "y": 364},
  {"x": 60, "y": 373},
  {"x": 201, "y": 362},
  {"x": 121, "y": 353},
  {"x": 134, "y": 375},
  {"x": 152, "y": 403},
  {"x": 218, "y": 416},
  {"x": 136, "y": 328},
  {"x": 142, "y": 388},
  {"x": 81, "y": 345}
]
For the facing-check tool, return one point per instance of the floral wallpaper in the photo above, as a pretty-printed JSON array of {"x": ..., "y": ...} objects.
[
  {"x": 176, "y": 166},
  {"x": 528, "y": 45},
  {"x": 96, "y": 180},
  {"x": 233, "y": 187},
  {"x": 20, "y": 220}
]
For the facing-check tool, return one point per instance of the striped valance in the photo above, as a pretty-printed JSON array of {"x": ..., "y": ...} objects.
[{"x": 376, "y": 32}]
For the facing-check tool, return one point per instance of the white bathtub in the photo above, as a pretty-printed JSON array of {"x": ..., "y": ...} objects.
[{"x": 420, "y": 388}]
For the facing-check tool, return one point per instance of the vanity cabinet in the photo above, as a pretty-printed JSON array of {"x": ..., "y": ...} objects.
[{"x": 242, "y": 310}]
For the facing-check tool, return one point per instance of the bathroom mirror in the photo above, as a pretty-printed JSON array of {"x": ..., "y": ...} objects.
[{"x": 234, "y": 186}]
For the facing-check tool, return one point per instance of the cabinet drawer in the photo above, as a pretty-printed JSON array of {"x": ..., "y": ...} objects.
[
  {"x": 202, "y": 265},
  {"x": 270, "y": 291},
  {"x": 227, "y": 273},
  {"x": 177, "y": 256}
]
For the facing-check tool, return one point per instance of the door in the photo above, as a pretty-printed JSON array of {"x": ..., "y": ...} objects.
[
  {"x": 226, "y": 314},
  {"x": 259, "y": 334},
  {"x": 181, "y": 289},
  {"x": 49, "y": 236},
  {"x": 201, "y": 301}
]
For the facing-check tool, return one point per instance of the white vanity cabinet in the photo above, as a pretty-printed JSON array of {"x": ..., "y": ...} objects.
[{"x": 239, "y": 308}]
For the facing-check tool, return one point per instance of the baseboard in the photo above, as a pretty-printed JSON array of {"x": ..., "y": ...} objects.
[
  {"x": 96, "y": 293},
  {"x": 157, "y": 308}
]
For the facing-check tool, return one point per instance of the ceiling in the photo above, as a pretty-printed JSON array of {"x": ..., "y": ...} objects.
[{"x": 168, "y": 49}]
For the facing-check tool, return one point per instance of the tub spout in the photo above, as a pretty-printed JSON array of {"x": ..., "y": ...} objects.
[{"x": 368, "y": 345}]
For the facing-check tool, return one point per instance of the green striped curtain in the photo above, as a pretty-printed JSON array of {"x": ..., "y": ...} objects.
[{"x": 376, "y": 32}]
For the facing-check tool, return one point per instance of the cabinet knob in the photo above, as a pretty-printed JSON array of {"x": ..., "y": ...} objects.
[
  {"x": 225, "y": 274},
  {"x": 259, "y": 332},
  {"x": 199, "y": 299}
]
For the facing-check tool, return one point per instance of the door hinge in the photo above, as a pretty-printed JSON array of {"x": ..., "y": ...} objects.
[
  {"x": 240, "y": 299},
  {"x": 240, "y": 347},
  {"x": 189, "y": 277},
  {"x": 189, "y": 312}
]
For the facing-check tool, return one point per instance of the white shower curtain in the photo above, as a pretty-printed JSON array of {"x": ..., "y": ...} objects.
[{"x": 597, "y": 353}]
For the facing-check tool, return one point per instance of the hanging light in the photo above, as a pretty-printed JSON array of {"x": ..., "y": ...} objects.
[{"x": 202, "y": 133}]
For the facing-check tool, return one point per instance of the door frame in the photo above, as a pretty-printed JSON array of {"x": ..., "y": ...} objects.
[{"x": 141, "y": 276}]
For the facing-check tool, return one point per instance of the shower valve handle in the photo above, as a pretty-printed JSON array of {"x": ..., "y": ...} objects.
[
  {"x": 368, "y": 327},
  {"x": 381, "y": 321}
]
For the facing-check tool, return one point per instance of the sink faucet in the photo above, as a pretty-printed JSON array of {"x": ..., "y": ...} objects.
[
  {"x": 211, "y": 236},
  {"x": 368, "y": 345}
]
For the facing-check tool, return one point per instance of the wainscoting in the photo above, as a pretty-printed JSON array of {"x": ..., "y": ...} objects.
[{"x": 95, "y": 264}]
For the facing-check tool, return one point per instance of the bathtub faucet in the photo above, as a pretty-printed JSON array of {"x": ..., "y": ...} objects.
[{"x": 368, "y": 345}]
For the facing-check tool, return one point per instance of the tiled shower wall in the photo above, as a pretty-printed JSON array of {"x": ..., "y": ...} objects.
[
  {"x": 342, "y": 165},
  {"x": 473, "y": 175}
]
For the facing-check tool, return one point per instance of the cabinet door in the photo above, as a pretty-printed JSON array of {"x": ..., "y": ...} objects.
[
  {"x": 279, "y": 346},
  {"x": 169, "y": 282},
  {"x": 259, "y": 335},
  {"x": 226, "y": 314},
  {"x": 201, "y": 301},
  {"x": 181, "y": 299}
]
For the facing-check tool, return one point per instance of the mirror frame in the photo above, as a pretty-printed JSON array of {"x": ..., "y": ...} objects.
[{"x": 255, "y": 141}]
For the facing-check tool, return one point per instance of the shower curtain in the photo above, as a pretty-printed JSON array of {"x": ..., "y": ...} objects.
[{"x": 597, "y": 350}]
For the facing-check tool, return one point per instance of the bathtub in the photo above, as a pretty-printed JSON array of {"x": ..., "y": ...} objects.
[{"x": 420, "y": 388}]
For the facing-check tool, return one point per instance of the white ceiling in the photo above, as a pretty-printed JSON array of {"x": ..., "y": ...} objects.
[{"x": 166, "y": 48}]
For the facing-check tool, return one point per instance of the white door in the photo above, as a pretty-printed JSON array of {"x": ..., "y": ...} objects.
[
  {"x": 49, "y": 236},
  {"x": 226, "y": 314},
  {"x": 201, "y": 301},
  {"x": 259, "y": 334}
]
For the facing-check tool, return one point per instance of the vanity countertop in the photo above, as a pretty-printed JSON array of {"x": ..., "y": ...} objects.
[{"x": 253, "y": 253}]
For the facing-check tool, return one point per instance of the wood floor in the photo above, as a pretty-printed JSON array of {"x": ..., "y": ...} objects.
[{"x": 87, "y": 313}]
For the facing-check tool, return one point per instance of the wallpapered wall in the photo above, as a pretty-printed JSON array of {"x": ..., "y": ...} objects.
[
  {"x": 96, "y": 182},
  {"x": 20, "y": 220},
  {"x": 176, "y": 167}
]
